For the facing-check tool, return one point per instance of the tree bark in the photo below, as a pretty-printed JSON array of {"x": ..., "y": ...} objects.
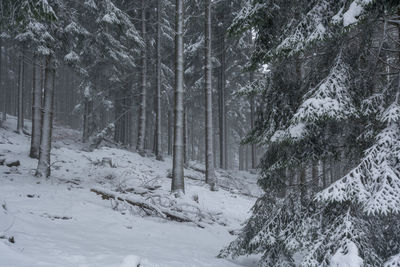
[
  {"x": 222, "y": 124},
  {"x": 177, "y": 186},
  {"x": 192, "y": 138},
  {"x": 315, "y": 185},
  {"x": 398, "y": 31},
  {"x": 170, "y": 128},
  {"x": 142, "y": 107},
  {"x": 246, "y": 157},
  {"x": 252, "y": 120},
  {"x": 303, "y": 183},
  {"x": 132, "y": 119},
  {"x": 147, "y": 206},
  {"x": 20, "y": 117},
  {"x": 87, "y": 117},
  {"x": 210, "y": 173},
  {"x": 36, "y": 108},
  {"x": 241, "y": 157},
  {"x": 3, "y": 88},
  {"x": 158, "y": 93},
  {"x": 43, "y": 168},
  {"x": 185, "y": 138},
  {"x": 324, "y": 174}
]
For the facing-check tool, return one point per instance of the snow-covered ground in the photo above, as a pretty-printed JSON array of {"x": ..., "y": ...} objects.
[{"x": 60, "y": 222}]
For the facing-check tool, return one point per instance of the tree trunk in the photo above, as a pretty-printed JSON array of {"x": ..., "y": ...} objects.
[
  {"x": 246, "y": 157},
  {"x": 170, "y": 121},
  {"x": 20, "y": 120},
  {"x": 185, "y": 138},
  {"x": 177, "y": 186},
  {"x": 36, "y": 108},
  {"x": 158, "y": 94},
  {"x": 87, "y": 117},
  {"x": 252, "y": 120},
  {"x": 142, "y": 109},
  {"x": 398, "y": 31},
  {"x": 3, "y": 88},
  {"x": 5, "y": 98},
  {"x": 215, "y": 143},
  {"x": 241, "y": 157},
  {"x": 192, "y": 138},
  {"x": 303, "y": 183},
  {"x": 43, "y": 168},
  {"x": 315, "y": 186},
  {"x": 324, "y": 175},
  {"x": 210, "y": 173},
  {"x": 133, "y": 120},
  {"x": 222, "y": 112}
]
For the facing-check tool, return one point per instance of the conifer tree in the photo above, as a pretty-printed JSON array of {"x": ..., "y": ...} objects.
[
  {"x": 177, "y": 186},
  {"x": 317, "y": 111}
]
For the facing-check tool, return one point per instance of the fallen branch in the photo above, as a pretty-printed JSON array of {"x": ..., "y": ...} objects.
[
  {"x": 197, "y": 169},
  {"x": 148, "y": 207}
]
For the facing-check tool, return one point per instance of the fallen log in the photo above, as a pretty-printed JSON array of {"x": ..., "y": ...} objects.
[
  {"x": 13, "y": 163},
  {"x": 197, "y": 169},
  {"x": 148, "y": 207}
]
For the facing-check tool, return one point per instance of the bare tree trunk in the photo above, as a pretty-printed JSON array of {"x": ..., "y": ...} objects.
[
  {"x": 331, "y": 172},
  {"x": 398, "y": 31},
  {"x": 2, "y": 83},
  {"x": 215, "y": 143},
  {"x": 303, "y": 183},
  {"x": 3, "y": 91},
  {"x": 222, "y": 129},
  {"x": 246, "y": 157},
  {"x": 185, "y": 138},
  {"x": 170, "y": 119},
  {"x": 36, "y": 108},
  {"x": 158, "y": 94},
  {"x": 324, "y": 174},
  {"x": 142, "y": 109},
  {"x": 315, "y": 186},
  {"x": 128, "y": 119},
  {"x": 252, "y": 119},
  {"x": 87, "y": 117},
  {"x": 210, "y": 173},
  {"x": 241, "y": 157},
  {"x": 177, "y": 186},
  {"x": 14, "y": 64},
  {"x": 43, "y": 168},
  {"x": 20, "y": 120},
  {"x": 133, "y": 120},
  {"x": 192, "y": 138}
]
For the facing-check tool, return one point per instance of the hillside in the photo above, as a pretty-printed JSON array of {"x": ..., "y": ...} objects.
[{"x": 60, "y": 222}]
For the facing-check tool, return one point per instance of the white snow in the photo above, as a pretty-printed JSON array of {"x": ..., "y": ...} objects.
[
  {"x": 297, "y": 130},
  {"x": 110, "y": 18},
  {"x": 91, "y": 3},
  {"x": 393, "y": 261},
  {"x": 130, "y": 261},
  {"x": 59, "y": 222},
  {"x": 86, "y": 91},
  {"x": 71, "y": 57},
  {"x": 354, "y": 11},
  {"x": 350, "y": 258}
]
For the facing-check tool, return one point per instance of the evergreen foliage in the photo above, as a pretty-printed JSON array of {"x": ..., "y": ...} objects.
[{"x": 329, "y": 121}]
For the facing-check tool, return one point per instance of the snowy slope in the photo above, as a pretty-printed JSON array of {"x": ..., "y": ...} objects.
[{"x": 59, "y": 222}]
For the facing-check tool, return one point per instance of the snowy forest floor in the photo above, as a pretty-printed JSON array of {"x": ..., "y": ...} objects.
[{"x": 60, "y": 222}]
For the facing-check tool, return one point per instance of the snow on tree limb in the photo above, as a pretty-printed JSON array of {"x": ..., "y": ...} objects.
[{"x": 375, "y": 182}]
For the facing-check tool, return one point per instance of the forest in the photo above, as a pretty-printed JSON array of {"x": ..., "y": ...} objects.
[{"x": 200, "y": 133}]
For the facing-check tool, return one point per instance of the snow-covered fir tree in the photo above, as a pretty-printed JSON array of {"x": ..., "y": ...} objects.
[{"x": 328, "y": 120}]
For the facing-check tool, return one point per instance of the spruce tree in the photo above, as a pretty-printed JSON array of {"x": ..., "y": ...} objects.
[{"x": 328, "y": 118}]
